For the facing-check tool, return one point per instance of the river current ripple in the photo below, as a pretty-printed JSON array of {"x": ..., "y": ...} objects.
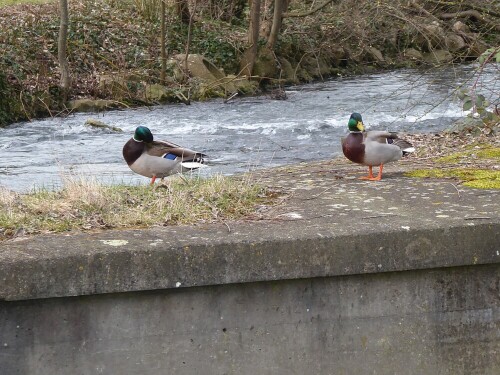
[{"x": 241, "y": 135}]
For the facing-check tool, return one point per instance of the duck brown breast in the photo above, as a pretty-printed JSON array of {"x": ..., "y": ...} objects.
[
  {"x": 354, "y": 148},
  {"x": 132, "y": 151}
]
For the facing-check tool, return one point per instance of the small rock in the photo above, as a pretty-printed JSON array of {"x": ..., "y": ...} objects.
[
  {"x": 454, "y": 42},
  {"x": 91, "y": 105},
  {"x": 438, "y": 56},
  {"x": 99, "y": 124},
  {"x": 413, "y": 54},
  {"x": 459, "y": 26},
  {"x": 375, "y": 54}
]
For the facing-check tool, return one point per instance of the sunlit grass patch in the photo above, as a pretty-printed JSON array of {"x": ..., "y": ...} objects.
[
  {"x": 476, "y": 178},
  {"x": 85, "y": 204}
]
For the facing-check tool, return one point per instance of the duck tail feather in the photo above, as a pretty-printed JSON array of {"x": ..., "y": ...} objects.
[
  {"x": 402, "y": 144},
  {"x": 191, "y": 164},
  {"x": 408, "y": 150}
]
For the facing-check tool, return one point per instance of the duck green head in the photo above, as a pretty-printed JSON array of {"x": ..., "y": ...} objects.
[
  {"x": 143, "y": 134},
  {"x": 356, "y": 123}
]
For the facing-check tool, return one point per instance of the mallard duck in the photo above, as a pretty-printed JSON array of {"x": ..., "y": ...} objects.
[
  {"x": 372, "y": 148},
  {"x": 158, "y": 159}
]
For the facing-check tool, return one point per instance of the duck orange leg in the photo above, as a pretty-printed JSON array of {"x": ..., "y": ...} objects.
[
  {"x": 153, "y": 180},
  {"x": 379, "y": 176},
  {"x": 370, "y": 174}
]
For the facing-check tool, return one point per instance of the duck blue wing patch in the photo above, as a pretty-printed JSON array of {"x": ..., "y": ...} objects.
[{"x": 170, "y": 156}]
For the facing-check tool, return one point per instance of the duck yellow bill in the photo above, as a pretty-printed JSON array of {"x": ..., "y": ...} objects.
[{"x": 360, "y": 126}]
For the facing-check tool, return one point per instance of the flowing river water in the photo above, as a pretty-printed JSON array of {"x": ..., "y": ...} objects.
[{"x": 242, "y": 134}]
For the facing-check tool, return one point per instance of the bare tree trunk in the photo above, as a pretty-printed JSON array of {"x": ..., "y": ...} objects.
[
  {"x": 162, "y": 47},
  {"x": 280, "y": 6},
  {"x": 253, "y": 37},
  {"x": 64, "y": 83},
  {"x": 190, "y": 36}
]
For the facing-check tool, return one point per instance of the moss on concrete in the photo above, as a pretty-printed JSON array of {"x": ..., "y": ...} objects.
[
  {"x": 484, "y": 153},
  {"x": 471, "y": 177}
]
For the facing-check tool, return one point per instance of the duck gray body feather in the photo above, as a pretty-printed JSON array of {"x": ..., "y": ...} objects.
[{"x": 381, "y": 148}]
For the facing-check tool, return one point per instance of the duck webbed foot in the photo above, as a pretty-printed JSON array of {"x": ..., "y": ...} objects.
[{"x": 370, "y": 176}]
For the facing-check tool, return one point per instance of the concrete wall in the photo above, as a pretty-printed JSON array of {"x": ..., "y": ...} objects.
[
  {"x": 401, "y": 277},
  {"x": 440, "y": 321}
]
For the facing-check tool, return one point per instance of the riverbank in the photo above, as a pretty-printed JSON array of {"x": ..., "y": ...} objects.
[
  {"x": 99, "y": 192},
  {"x": 459, "y": 160},
  {"x": 115, "y": 59}
]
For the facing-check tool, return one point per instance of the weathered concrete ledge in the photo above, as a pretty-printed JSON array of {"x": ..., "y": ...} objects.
[
  {"x": 149, "y": 260},
  {"x": 330, "y": 226}
]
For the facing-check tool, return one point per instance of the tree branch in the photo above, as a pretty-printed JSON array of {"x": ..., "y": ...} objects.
[
  {"x": 466, "y": 6},
  {"x": 308, "y": 13},
  {"x": 470, "y": 14},
  {"x": 413, "y": 4}
]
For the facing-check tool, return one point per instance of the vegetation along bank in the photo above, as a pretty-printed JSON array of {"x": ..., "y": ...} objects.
[{"x": 130, "y": 53}]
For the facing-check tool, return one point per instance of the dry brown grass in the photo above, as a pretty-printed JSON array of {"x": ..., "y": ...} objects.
[{"x": 86, "y": 204}]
